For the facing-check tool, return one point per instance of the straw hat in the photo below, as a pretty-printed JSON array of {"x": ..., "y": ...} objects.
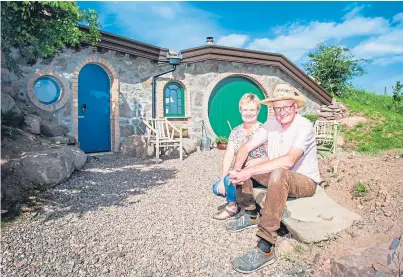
[{"x": 285, "y": 92}]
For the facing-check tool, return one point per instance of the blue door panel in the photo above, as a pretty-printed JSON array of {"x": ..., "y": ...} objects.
[{"x": 94, "y": 132}]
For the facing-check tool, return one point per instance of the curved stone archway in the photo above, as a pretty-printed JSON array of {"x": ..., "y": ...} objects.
[
  {"x": 253, "y": 78},
  {"x": 114, "y": 91}
]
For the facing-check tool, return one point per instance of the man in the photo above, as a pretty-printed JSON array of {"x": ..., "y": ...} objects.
[{"x": 292, "y": 170}]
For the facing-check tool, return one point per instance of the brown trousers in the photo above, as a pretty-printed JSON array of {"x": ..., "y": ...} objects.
[{"x": 281, "y": 183}]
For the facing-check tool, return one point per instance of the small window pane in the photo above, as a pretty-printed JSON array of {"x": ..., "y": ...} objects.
[
  {"x": 173, "y": 97},
  {"x": 47, "y": 90}
]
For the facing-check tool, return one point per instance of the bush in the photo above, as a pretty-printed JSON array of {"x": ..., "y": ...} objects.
[
  {"x": 221, "y": 140},
  {"x": 311, "y": 117},
  {"x": 360, "y": 190}
]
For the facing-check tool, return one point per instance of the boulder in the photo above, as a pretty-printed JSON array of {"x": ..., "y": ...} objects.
[
  {"x": 133, "y": 146},
  {"x": 352, "y": 121},
  {"x": 312, "y": 219},
  {"x": 54, "y": 130},
  {"x": 188, "y": 146},
  {"x": 32, "y": 124},
  {"x": 60, "y": 140},
  {"x": 368, "y": 263},
  {"x": 48, "y": 167},
  {"x": 285, "y": 247},
  {"x": 8, "y": 105},
  {"x": 80, "y": 158}
]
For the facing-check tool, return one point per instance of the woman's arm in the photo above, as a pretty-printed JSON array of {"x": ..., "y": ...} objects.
[{"x": 228, "y": 158}]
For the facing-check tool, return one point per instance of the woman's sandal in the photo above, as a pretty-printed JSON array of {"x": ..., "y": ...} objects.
[{"x": 225, "y": 213}]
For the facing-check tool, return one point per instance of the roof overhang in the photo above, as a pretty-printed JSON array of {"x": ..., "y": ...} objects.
[
  {"x": 218, "y": 53},
  {"x": 221, "y": 53}
]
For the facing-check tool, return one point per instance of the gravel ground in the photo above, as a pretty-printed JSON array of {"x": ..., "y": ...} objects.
[{"x": 129, "y": 217}]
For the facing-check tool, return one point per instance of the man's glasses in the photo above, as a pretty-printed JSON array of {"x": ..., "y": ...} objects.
[{"x": 285, "y": 108}]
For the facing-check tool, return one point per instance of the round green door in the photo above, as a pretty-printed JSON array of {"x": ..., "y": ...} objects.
[{"x": 224, "y": 101}]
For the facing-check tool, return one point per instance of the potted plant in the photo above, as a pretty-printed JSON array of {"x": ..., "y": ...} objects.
[{"x": 221, "y": 142}]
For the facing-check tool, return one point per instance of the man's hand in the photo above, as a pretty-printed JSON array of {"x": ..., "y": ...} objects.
[{"x": 239, "y": 177}]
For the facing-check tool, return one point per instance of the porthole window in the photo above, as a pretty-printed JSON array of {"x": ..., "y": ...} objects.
[{"x": 47, "y": 90}]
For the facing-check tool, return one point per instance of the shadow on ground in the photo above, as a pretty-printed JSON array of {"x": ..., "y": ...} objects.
[{"x": 104, "y": 182}]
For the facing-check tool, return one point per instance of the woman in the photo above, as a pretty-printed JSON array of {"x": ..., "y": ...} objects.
[{"x": 249, "y": 107}]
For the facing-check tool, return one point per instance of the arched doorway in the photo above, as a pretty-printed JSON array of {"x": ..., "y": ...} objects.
[
  {"x": 94, "y": 133},
  {"x": 224, "y": 100}
]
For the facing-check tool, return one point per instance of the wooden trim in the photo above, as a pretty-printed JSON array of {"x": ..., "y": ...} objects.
[{"x": 130, "y": 46}]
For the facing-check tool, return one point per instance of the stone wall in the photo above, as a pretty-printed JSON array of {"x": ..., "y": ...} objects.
[{"x": 134, "y": 75}]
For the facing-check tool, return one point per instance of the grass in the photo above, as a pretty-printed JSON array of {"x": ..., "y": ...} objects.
[
  {"x": 360, "y": 190},
  {"x": 384, "y": 129}
]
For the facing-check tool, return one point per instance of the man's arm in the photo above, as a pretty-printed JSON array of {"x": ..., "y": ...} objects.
[
  {"x": 287, "y": 161},
  {"x": 300, "y": 145}
]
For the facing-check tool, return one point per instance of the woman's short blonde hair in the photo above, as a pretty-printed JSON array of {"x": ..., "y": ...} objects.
[{"x": 249, "y": 98}]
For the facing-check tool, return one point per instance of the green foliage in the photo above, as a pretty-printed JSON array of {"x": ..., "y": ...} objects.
[
  {"x": 383, "y": 131},
  {"x": 333, "y": 66},
  {"x": 360, "y": 190},
  {"x": 221, "y": 140},
  {"x": 40, "y": 29},
  {"x": 311, "y": 117},
  {"x": 398, "y": 97}
]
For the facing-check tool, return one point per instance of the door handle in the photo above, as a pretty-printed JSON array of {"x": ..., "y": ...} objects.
[{"x": 83, "y": 107}]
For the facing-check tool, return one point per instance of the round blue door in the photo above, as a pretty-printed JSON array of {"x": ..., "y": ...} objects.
[{"x": 94, "y": 132}]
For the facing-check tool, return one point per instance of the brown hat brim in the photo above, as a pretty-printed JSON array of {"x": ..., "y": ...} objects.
[{"x": 299, "y": 100}]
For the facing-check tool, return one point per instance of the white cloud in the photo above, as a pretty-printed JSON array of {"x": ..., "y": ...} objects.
[
  {"x": 354, "y": 11},
  {"x": 295, "y": 40},
  {"x": 233, "y": 40},
  {"x": 381, "y": 46},
  {"x": 164, "y": 11},
  {"x": 389, "y": 60},
  {"x": 173, "y": 25},
  {"x": 398, "y": 18}
]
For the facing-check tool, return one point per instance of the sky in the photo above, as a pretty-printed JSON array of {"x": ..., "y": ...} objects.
[{"x": 371, "y": 30}]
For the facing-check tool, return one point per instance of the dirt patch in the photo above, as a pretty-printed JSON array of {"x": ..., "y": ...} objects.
[{"x": 371, "y": 186}]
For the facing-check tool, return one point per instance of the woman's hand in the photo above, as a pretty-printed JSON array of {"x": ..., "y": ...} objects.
[
  {"x": 239, "y": 177},
  {"x": 221, "y": 188}
]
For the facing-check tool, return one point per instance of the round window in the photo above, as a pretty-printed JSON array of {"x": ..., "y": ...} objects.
[{"x": 47, "y": 90}]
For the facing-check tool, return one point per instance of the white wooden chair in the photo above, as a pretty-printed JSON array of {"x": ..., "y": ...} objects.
[
  {"x": 327, "y": 133},
  {"x": 161, "y": 135}
]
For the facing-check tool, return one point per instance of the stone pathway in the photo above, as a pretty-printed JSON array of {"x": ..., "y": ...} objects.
[{"x": 128, "y": 217}]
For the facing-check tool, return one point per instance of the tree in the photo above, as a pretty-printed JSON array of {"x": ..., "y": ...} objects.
[
  {"x": 40, "y": 29},
  {"x": 333, "y": 67},
  {"x": 398, "y": 97}
]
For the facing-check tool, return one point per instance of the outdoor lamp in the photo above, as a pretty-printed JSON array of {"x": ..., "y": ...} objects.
[{"x": 174, "y": 57}]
